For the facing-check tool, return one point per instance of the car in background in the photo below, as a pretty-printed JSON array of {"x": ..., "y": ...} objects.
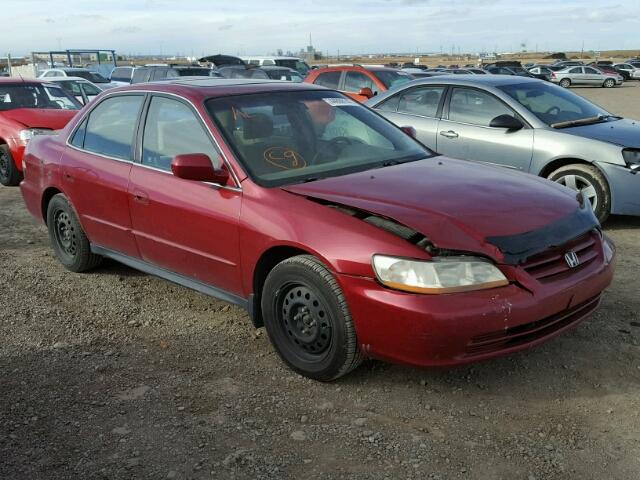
[
  {"x": 94, "y": 77},
  {"x": 83, "y": 90},
  {"x": 242, "y": 71},
  {"x": 542, "y": 72},
  {"x": 338, "y": 232},
  {"x": 282, "y": 73},
  {"x": 586, "y": 75},
  {"x": 122, "y": 76},
  {"x": 608, "y": 67},
  {"x": 359, "y": 82},
  {"x": 28, "y": 108},
  {"x": 418, "y": 73},
  {"x": 527, "y": 125},
  {"x": 562, "y": 64},
  {"x": 508, "y": 68},
  {"x": 632, "y": 72},
  {"x": 295, "y": 63},
  {"x": 152, "y": 73},
  {"x": 419, "y": 66}
]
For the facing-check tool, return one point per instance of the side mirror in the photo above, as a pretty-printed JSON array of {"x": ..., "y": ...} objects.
[
  {"x": 506, "y": 121},
  {"x": 198, "y": 166},
  {"x": 409, "y": 131},
  {"x": 366, "y": 92}
]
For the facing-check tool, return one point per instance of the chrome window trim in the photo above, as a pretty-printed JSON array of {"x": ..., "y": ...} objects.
[{"x": 238, "y": 186}]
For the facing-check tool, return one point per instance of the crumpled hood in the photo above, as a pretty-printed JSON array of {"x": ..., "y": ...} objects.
[
  {"x": 40, "y": 117},
  {"x": 625, "y": 132},
  {"x": 457, "y": 204}
]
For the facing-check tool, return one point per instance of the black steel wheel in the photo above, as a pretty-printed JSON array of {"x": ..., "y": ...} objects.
[
  {"x": 10, "y": 176},
  {"x": 308, "y": 320},
  {"x": 70, "y": 244}
]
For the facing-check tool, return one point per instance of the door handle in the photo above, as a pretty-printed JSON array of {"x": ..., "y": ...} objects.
[
  {"x": 140, "y": 197},
  {"x": 449, "y": 134}
]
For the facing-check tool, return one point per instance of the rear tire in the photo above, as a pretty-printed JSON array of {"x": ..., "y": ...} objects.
[
  {"x": 590, "y": 181},
  {"x": 609, "y": 83},
  {"x": 10, "y": 176},
  {"x": 308, "y": 320},
  {"x": 565, "y": 83},
  {"x": 70, "y": 244}
]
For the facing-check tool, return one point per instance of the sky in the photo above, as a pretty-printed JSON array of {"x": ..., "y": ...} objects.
[{"x": 260, "y": 27}]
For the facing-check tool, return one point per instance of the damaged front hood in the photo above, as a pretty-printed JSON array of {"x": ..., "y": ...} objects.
[
  {"x": 50, "y": 118},
  {"x": 459, "y": 205}
]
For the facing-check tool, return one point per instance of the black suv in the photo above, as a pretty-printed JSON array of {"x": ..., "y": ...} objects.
[{"x": 152, "y": 73}]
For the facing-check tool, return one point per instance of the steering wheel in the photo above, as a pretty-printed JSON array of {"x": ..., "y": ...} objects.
[
  {"x": 336, "y": 144},
  {"x": 556, "y": 108}
]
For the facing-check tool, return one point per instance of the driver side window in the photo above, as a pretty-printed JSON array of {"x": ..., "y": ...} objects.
[
  {"x": 475, "y": 107},
  {"x": 171, "y": 129}
]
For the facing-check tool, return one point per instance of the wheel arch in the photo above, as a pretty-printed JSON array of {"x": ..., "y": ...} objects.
[
  {"x": 269, "y": 259},
  {"x": 555, "y": 164}
]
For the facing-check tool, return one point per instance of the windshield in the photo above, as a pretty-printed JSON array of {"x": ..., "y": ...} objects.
[
  {"x": 552, "y": 104},
  {"x": 290, "y": 137},
  {"x": 194, "y": 72},
  {"x": 391, "y": 78},
  {"x": 36, "y": 96}
]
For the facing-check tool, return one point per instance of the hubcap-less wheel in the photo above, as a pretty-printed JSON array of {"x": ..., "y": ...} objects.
[
  {"x": 65, "y": 233},
  {"x": 582, "y": 185},
  {"x": 4, "y": 165},
  {"x": 305, "y": 321}
]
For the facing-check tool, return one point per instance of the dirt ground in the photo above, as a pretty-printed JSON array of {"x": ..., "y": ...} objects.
[{"x": 118, "y": 375}]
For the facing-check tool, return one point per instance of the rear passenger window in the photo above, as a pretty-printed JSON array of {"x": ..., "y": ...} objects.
[
  {"x": 111, "y": 126},
  {"x": 78, "y": 137},
  {"x": 171, "y": 129},
  {"x": 328, "y": 79},
  {"x": 121, "y": 74},
  {"x": 140, "y": 75},
  {"x": 421, "y": 101}
]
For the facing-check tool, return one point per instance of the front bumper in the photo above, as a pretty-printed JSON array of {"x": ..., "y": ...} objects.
[{"x": 449, "y": 330}]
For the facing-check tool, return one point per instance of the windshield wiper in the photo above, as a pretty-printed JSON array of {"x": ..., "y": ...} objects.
[
  {"x": 398, "y": 161},
  {"x": 584, "y": 121}
]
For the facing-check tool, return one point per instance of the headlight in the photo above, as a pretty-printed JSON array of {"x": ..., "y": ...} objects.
[
  {"x": 28, "y": 134},
  {"x": 439, "y": 275},
  {"x": 631, "y": 156}
]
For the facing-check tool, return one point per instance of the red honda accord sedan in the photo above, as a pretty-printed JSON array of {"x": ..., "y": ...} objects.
[
  {"x": 28, "y": 108},
  {"x": 338, "y": 232}
]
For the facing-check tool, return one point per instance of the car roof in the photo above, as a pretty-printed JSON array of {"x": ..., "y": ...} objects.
[
  {"x": 277, "y": 67},
  {"x": 66, "y": 79},
  {"x": 464, "y": 80},
  {"x": 22, "y": 81},
  {"x": 208, "y": 87}
]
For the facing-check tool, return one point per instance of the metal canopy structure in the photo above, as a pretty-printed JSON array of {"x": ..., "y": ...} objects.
[{"x": 100, "y": 60}]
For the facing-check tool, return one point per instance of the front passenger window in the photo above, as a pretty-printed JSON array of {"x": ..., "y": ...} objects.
[
  {"x": 171, "y": 129},
  {"x": 475, "y": 107}
]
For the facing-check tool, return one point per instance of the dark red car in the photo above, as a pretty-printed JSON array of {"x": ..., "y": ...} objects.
[
  {"x": 340, "y": 233},
  {"x": 28, "y": 108}
]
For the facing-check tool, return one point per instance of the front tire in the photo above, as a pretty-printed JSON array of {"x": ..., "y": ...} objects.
[
  {"x": 70, "y": 244},
  {"x": 590, "y": 181},
  {"x": 565, "y": 83},
  {"x": 10, "y": 176},
  {"x": 609, "y": 83},
  {"x": 308, "y": 320}
]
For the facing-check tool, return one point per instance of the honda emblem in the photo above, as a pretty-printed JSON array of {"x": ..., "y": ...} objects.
[{"x": 572, "y": 259}]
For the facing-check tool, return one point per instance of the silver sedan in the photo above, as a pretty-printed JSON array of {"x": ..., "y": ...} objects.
[
  {"x": 528, "y": 125},
  {"x": 585, "y": 75}
]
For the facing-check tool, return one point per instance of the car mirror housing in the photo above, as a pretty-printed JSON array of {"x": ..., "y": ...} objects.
[
  {"x": 198, "y": 166},
  {"x": 366, "y": 92},
  {"x": 506, "y": 121}
]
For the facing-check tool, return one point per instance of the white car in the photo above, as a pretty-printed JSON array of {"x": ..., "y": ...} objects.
[
  {"x": 102, "y": 82},
  {"x": 82, "y": 89},
  {"x": 633, "y": 71}
]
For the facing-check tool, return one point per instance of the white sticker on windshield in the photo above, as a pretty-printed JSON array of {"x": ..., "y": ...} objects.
[{"x": 340, "y": 102}]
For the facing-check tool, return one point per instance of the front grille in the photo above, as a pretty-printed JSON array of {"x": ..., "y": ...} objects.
[
  {"x": 549, "y": 265},
  {"x": 529, "y": 332}
]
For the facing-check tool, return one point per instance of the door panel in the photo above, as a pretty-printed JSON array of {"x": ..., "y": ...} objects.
[
  {"x": 187, "y": 227},
  {"x": 466, "y": 133},
  {"x": 96, "y": 172},
  {"x": 97, "y": 188}
]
